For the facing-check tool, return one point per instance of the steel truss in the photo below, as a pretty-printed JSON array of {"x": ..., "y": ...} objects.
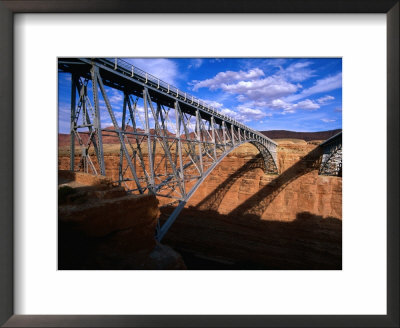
[
  {"x": 169, "y": 141},
  {"x": 331, "y": 163}
]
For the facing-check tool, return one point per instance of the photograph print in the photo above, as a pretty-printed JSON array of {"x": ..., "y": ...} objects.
[{"x": 199, "y": 163}]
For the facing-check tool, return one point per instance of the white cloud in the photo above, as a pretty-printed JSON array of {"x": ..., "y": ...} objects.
[
  {"x": 298, "y": 72},
  {"x": 276, "y": 62},
  {"x": 249, "y": 86},
  {"x": 280, "y": 104},
  {"x": 195, "y": 63},
  {"x": 270, "y": 87},
  {"x": 323, "y": 85},
  {"x": 213, "y": 103},
  {"x": 327, "y": 120},
  {"x": 235, "y": 115},
  {"x": 256, "y": 91},
  {"x": 223, "y": 78},
  {"x": 115, "y": 97},
  {"x": 164, "y": 69},
  {"x": 252, "y": 114},
  {"x": 245, "y": 114},
  {"x": 325, "y": 99},
  {"x": 307, "y": 104},
  {"x": 290, "y": 107},
  {"x": 216, "y": 60}
]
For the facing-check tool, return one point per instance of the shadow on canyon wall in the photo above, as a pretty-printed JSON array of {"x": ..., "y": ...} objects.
[
  {"x": 208, "y": 240},
  {"x": 242, "y": 240},
  {"x": 213, "y": 200},
  {"x": 257, "y": 204}
]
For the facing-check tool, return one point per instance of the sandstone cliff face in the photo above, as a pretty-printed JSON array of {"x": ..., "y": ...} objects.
[
  {"x": 103, "y": 227},
  {"x": 240, "y": 218},
  {"x": 239, "y": 179},
  {"x": 239, "y": 183},
  {"x": 243, "y": 219}
]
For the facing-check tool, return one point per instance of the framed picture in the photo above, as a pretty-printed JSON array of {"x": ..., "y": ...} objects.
[{"x": 114, "y": 106}]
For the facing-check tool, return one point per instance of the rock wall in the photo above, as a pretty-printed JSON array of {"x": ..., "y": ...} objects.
[
  {"x": 239, "y": 186},
  {"x": 101, "y": 226},
  {"x": 241, "y": 218}
]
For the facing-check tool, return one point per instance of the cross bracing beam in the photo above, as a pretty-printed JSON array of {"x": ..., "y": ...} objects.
[{"x": 169, "y": 140}]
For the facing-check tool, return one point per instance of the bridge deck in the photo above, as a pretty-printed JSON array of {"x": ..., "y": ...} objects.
[{"x": 120, "y": 77}]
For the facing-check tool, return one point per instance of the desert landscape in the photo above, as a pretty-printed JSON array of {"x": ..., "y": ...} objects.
[{"x": 239, "y": 218}]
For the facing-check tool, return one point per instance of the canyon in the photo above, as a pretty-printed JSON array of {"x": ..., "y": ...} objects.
[{"x": 241, "y": 218}]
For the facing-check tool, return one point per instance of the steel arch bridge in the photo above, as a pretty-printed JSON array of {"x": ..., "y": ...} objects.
[{"x": 169, "y": 140}]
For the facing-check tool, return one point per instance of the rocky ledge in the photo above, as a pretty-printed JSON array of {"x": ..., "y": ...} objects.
[{"x": 101, "y": 226}]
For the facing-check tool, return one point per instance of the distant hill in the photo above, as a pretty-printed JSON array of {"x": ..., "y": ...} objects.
[
  {"x": 307, "y": 136},
  {"x": 109, "y": 137},
  {"x": 112, "y": 138}
]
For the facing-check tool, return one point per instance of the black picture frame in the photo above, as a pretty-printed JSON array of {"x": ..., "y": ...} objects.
[{"x": 10, "y": 7}]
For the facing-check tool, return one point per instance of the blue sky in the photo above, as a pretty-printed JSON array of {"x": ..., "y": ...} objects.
[{"x": 298, "y": 94}]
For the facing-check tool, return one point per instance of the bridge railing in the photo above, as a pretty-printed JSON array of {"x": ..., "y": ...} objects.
[{"x": 138, "y": 74}]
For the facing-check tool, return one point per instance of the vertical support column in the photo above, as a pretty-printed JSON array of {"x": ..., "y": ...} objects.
[
  {"x": 82, "y": 97},
  {"x": 158, "y": 131},
  {"x": 163, "y": 132},
  {"x": 97, "y": 122},
  {"x": 178, "y": 135},
  {"x": 118, "y": 131},
  {"x": 233, "y": 135},
  {"x": 84, "y": 114},
  {"x": 213, "y": 137},
  {"x": 199, "y": 140},
  {"x": 72, "y": 128},
  {"x": 121, "y": 151},
  {"x": 147, "y": 131},
  {"x": 240, "y": 137},
  {"x": 223, "y": 133}
]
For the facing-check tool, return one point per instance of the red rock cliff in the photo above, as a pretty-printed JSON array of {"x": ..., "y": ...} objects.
[{"x": 245, "y": 219}]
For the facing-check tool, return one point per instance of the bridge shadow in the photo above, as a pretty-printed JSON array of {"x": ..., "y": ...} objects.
[
  {"x": 257, "y": 204},
  {"x": 242, "y": 240},
  {"x": 214, "y": 199},
  {"x": 208, "y": 240}
]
